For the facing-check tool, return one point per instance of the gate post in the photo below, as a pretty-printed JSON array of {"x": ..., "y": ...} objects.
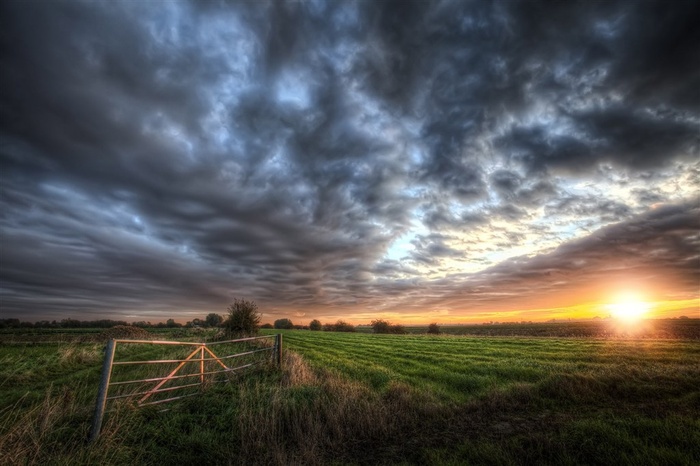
[
  {"x": 102, "y": 392},
  {"x": 201, "y": 365},
  {"x": 278, "y": 349}
]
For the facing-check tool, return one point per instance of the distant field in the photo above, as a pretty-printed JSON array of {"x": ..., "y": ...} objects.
[
  {"x": 23, "y": 335},
  {"x": 601, "y": 328},
  {"x": 359, "y": 398},
  {"x": 461, "y": 368}
]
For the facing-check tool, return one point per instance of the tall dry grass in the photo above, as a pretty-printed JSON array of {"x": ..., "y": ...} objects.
[
  {"x": 312, "y": 418},
  {"x": 30, "y": 435}
]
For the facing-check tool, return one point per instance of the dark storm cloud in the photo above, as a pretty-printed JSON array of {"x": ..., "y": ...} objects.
[
  {"x": 609, "y": 211},
  {"x": 505, "y": 182},
  {"x": 432, "y": 248},
  {"x": 166, "y": 156}
]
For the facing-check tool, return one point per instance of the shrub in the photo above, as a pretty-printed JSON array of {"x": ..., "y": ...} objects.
[
  {"x": 382, "y": 326},
  {"x": 284, "y": 324},
  {"x": 243, "y": 318},
  {"x": 342, "y": 326},
  {"x": 315, "y": 325},
  {"x": 434, "y": 329},
  {"x": 267, "y": 325},
  {"x": 213, "y": 320}
]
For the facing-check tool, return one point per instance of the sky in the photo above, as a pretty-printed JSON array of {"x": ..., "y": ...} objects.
[{"x": 429, "y": 161}]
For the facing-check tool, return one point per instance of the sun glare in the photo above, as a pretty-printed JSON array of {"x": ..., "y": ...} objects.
[{"x": 628, "y": 310}]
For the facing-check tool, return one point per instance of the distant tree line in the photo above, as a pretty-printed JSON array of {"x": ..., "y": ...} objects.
[
  {"x": 242, "y": 319},
  {"x": 64, "y": 323},
  {"x": 382, "y": 326},
  {"x": 212, "y": 320},
  {"x": 378, "y": 326},
  {"x": 287, "y": 324}
]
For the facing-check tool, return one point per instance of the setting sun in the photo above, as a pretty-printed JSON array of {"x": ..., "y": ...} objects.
[{"x": 629, "y": 310}]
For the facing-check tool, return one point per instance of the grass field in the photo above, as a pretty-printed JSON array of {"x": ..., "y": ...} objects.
[
  {"x": 459, "y": 369},
  {"x": 594, "y": 328},
  {"x": 346, "y": 398}
]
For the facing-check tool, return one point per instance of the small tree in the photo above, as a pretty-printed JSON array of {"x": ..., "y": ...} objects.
[
  {"x": 170, "y": 323},
  {"x": 284, "y": 324},
  {"x": 197, "y": 323},
  {"x": 213, "y": 320},
  {"x": 434, "y": 329},
  {"x": 380, "y": 326},
  {"x": 243, "y": 318},
  {"x": 315, "y": 325},
  {"x": 342, "y": 326}
]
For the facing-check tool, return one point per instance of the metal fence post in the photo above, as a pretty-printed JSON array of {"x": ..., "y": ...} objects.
[
  {"x": 102, "y": 392},
  {"x": 201, "y": 366},
  {"x": 278, "y": 348}
]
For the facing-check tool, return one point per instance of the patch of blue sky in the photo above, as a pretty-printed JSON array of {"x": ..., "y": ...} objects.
[
  {"x": 403, "y": 245},
  {"x": 292, "y": 87}
]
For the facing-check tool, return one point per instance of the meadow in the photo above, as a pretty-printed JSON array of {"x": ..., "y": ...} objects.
[{"x": 356, "y": 398}]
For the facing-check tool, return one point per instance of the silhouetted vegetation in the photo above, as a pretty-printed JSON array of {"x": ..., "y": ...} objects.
[
  {"x": 315, "y": 325},
  {"x": 339, "y": 326},
  {"x": 65, "y": 323},
  {"x": 284, "y": 324},
  {"x": 434, "y": 329},
  {"x": 213, "y": 320},
  {"x": 382, "y": 326},
  {"x": 681, "y": 327},
  {"x": 243, "y": 318}
]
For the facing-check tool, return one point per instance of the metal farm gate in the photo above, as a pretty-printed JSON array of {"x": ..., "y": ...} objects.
[{"x": 154, "y": 380}]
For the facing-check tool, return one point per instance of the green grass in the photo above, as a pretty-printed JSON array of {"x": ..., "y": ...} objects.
[
  {"x": 375, "y": 399},
  {"x": 599, "y": 328},
  {"x": 459, "y": 369}
]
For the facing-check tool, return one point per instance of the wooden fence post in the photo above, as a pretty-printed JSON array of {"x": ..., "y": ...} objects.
[
  {"x": 278, "y": 348},
  {"x": 102, "y": 392}
]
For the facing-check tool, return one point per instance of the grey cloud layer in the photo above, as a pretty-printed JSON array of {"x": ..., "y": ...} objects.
[{"x": 168, "y": 156}]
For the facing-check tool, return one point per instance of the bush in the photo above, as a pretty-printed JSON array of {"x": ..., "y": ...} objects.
[
  {"x": 284, "y": 324},
  {"x": 268, "y": 325},
  {"x": 315, "y": 325},
  {"x": 243, "y": 318},
  {"x": 342, "y": 326},
  {"x": 213, "y": 320},
  {"x": 434, "y": 329},
  {"x": 382, "y": 326}
]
